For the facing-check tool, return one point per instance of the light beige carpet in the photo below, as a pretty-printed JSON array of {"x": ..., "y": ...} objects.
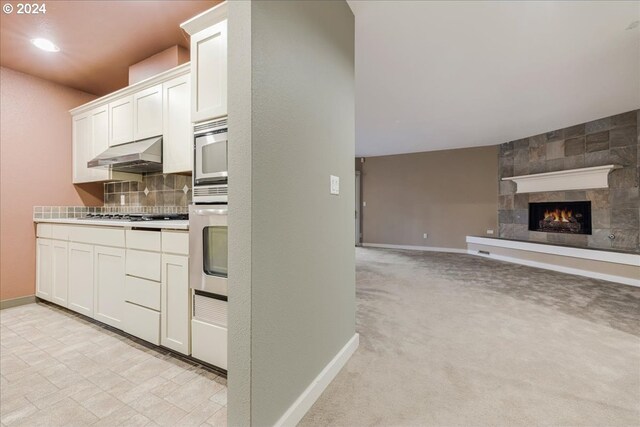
[{"x": 458, "y": 340}]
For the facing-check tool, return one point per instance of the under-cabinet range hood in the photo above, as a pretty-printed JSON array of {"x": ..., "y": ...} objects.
[{"x": 135, "y": 157}]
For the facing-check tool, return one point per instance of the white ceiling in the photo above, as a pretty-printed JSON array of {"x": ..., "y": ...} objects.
[{"x": 439, "y": 75}]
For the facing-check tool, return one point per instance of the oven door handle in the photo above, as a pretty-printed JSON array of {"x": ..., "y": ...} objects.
[{"x": 206, "y": 212}]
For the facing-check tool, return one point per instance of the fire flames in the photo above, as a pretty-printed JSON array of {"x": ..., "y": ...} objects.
[{"x": 558, "y": 215}]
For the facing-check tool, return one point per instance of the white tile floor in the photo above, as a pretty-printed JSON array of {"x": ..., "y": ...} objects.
[{"x": 58, "y": 369}]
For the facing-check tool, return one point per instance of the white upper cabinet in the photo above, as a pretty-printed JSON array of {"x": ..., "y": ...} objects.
[
  {"x": 121, "y": 123},
  {"x": 159, "y": 106},
  {"x": 209, "y": 71},
  {"x": 99, "y": 130},
  {"x": 82, "y": 148},
  {"x": 177, "y": 152},
  {"x": 99, "y": 141},
  {"x": 89, "y": 140},
  {"x": 147, "y": 113}
]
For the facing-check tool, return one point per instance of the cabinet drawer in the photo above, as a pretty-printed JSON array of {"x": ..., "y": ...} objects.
[
  {"x": 144, "y": 264},
  {"x": 142, "y": 292},
  {"x": 52, "y": 231},
  {"x": 144, "y": 240},
  {"x": 59, "y": 232},
  {"x": 44, "y": 230},
  {"x": 175, "y": 242},
  {"x": 101, "y": 236},
  {"x": 142, "y": 323},
  {"x": 209, "y": 343}
]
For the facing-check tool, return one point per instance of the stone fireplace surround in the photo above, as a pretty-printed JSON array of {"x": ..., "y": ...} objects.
[{"x": 615, "y": 210}]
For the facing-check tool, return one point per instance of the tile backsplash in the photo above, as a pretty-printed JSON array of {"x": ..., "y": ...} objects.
[
  {"x": 156, "y": 193},
  {"x": 65, "y": 212},
  {"x": 155, "y": 190}
]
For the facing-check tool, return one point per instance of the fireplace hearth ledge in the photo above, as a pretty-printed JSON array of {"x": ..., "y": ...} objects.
[
  {"x": 515, "y": 251},
  {"x": 572, "y": 179}
]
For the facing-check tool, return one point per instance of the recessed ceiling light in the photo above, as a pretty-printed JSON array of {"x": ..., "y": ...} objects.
[
  {"x": 45, "y": 44},
  {"x": 634, "y": 24}
]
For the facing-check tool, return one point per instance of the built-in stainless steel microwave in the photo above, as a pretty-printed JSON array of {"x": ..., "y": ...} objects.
[{"x": 210, "y": 170}]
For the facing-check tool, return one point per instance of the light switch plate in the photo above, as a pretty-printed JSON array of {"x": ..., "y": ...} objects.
[{"x": 335, "y": 185}]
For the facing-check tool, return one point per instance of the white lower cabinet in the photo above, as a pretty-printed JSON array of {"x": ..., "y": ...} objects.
[
  {"x": 44, "y": 270},
  {"x": 109, "y": 278},
  {"x": 209, "y": 329},
  {"x": 209, "y": 343},
  {"x": 133, "y": 280},
  {"x": 141, "y": 322},
  {"x": 174, "y": 312},
  {"x": 60, "y": 272},
  {"x": 52, "y": 270},
  {"x": 80, "y": 291}
]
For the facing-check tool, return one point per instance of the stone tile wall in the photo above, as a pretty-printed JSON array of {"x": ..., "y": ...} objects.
[
  {"x": 615, "y": 211},
  {"x": 155, "y": 190}
]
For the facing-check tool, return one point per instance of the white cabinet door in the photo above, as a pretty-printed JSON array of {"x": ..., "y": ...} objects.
[
  {"x": 209, "y": 71},
  {"x": 109, "y": 277},
  {"x": 44, "y": 270},
  {"x": 80, "y": 290},
  {"x": 175, "y": 303},
  {"x": 90, "y": 138},
  {"x": 177, "y": 139},
  {"x": 99, "y": 140},
  {"x": 121, "y": 123},
  {"x": 147, "y": 113},
  {"x": 82, "y": 148},
  {"x": 60, "y": 271},
  {"x": 209, "y": 343}
]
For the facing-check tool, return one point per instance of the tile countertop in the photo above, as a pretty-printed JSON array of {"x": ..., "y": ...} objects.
[{"x": 167, "y": 224}]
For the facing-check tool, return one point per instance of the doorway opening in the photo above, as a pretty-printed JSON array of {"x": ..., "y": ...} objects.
[{"x": 358, "y": 215}]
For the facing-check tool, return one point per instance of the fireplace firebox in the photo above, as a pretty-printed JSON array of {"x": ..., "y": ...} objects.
[{"x": 560, "y": 217}]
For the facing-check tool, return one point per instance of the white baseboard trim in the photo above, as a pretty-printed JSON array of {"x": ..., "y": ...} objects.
[
  {"x": 303, "y": 403},
  {"x": 561, "y": 269},
  {"x": 415, "y": 248}
]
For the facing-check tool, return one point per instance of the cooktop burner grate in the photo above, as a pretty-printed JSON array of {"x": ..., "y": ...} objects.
[{"x": 136, "y": 217}]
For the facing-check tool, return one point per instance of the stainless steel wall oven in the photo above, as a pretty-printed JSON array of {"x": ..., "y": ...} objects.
[{"x": 208, "y": 248}]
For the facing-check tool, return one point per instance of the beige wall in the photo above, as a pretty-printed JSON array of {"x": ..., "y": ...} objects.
[
  {"x": 35, "y": 169},
  {"x": 291, "y": 251},
  {"x": 156, "y": 64},
  {"x": 448, "y": 194}
]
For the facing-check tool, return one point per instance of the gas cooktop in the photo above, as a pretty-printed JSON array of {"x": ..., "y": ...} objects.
[{"x": 136, "y": 217}]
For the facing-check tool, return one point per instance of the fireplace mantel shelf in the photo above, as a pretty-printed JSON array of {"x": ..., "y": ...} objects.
[{"x": 572, "y": 179}]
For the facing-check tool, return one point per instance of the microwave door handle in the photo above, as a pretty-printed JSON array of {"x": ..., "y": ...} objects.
[
  {"x": 204, "y": 140},
  {"x": 206, "y": 212}
]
